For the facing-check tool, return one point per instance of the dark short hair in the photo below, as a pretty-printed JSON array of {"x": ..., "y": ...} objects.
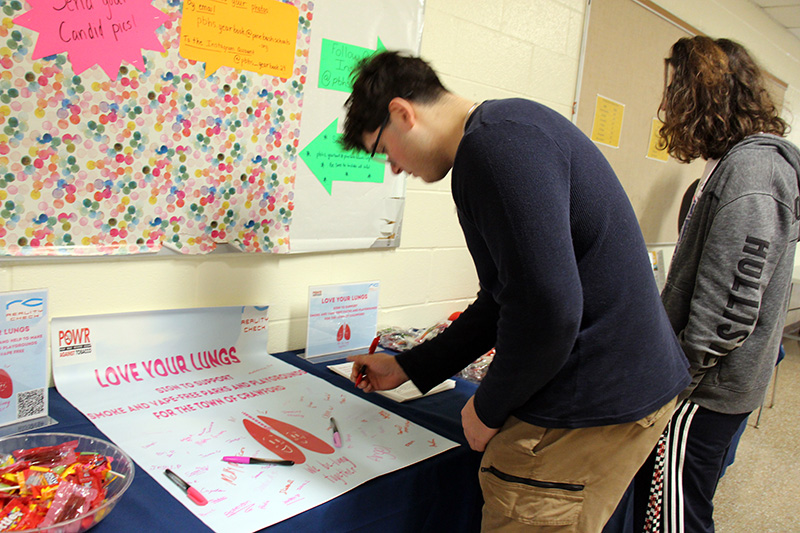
[
  {"x": 716, "y": 98},
  {"x": 376, "y": 80}
]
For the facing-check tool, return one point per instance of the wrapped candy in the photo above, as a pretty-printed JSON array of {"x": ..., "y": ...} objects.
[
  {"x": 71, "y": 500},
  {"x": 48, "y": 455},
  {"x": 43, "y": 486}
]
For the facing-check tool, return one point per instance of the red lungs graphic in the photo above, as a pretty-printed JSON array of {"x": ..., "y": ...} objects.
[
  {"x": 298, "y": 436},
  {"x": 280, "y": 447},
  {"x": 284, "y": 448}
]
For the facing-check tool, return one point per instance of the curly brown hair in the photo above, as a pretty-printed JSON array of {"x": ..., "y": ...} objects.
[{"x": 714, "y": 98}]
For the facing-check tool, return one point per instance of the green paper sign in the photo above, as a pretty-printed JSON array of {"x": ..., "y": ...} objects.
[
  {"x": 330, "y": 162},
  {"x": 337, "y": 61}
]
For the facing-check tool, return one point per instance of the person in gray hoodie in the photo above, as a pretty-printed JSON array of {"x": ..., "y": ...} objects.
[{"x": 729, "y": 282}]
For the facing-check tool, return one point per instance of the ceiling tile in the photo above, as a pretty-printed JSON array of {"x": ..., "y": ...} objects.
[
  {"x": 773, "y": 3},
  {"x": 786, "y": 16}
]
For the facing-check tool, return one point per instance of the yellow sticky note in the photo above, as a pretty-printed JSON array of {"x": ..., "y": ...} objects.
[
  {"x": 607, "y": 126},
  {"x": 653, "y": 151},
  {"x": 258, "y": 35}
]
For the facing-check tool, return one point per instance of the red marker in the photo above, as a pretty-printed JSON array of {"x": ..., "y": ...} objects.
[
  {"x": 374, "y": 344},
  {"x": 362, "y": 374}
]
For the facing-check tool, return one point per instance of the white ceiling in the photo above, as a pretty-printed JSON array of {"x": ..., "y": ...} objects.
[{"x": 784, "y": 12}]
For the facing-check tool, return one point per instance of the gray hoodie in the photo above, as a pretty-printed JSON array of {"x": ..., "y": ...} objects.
[{"x": 729, "y": 282}]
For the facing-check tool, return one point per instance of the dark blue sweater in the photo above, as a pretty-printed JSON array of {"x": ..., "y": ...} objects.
[{"x": 567, "y": 294}]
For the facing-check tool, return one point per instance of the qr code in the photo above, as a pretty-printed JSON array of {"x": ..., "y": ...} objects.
[{"x": 30, "y": 403}]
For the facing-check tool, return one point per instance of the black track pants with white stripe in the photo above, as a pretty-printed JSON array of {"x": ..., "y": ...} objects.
[{"x": 696, "y": 447}]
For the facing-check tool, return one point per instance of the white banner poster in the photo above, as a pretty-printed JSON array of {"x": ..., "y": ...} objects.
[{"x": 179, "y": 390}]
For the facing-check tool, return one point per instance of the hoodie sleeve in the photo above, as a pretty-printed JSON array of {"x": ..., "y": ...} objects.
[{"x": 742, "y": 248}]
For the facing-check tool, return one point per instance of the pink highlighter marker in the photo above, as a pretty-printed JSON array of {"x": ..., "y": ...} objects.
[
  {"x": 337, "y": 438},
  {"x": 256, "y": 461},
  {"x": 190, "y": 491}
]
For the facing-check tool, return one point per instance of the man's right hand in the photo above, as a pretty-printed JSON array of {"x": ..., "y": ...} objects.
[{"x": 382, "y": 372}]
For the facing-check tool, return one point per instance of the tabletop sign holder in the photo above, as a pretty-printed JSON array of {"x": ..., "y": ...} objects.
[
  {"x": 23, "y": 362},
  {"x": 342, "y": 320}
]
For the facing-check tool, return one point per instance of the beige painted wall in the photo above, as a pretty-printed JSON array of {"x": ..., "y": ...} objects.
[{"x": 483, "y": 49}]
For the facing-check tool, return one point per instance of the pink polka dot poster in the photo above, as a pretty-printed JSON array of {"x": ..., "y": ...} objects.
[{"x": 149, "y": 154}]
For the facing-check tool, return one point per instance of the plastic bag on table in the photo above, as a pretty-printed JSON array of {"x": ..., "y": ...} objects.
[
  {"x": 402, "y": 339},
  {"x": 477, "y": 369}
]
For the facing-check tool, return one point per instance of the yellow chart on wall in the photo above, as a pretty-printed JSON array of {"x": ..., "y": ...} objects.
[
  {"x": 607, "y": 126},
  {"x": 653, "y": 150}
]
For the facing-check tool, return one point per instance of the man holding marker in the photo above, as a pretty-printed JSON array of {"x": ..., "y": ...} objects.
[{"x": 586, "y": 367}]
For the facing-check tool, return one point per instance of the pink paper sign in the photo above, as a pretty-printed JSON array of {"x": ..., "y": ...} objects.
[{"x": 102, "y": 32}]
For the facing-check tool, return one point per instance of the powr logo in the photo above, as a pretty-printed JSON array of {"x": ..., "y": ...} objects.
[
  {"x": 71, "y": 342},
  {"x": 28, "y": 309},
  {"x": 71, "y": 338}
]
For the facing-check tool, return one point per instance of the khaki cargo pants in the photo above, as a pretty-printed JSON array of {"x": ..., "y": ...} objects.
[{"x": 562, "y": 480}]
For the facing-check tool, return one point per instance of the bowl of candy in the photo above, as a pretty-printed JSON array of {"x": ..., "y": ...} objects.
[{"x": 59, "y": 482}]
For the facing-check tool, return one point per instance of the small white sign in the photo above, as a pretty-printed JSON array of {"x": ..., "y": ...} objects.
[
  {"x": 341, "y": 318},
  {"x": 23, "y": 356}
]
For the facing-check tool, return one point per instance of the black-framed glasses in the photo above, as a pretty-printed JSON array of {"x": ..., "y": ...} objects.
[
  {"x": 380, "y": 132},
  {"x": 406, "y": 96}
]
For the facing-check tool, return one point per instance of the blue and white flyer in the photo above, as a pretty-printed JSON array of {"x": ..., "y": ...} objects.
[
  {"x": 23, "y": 356},
  {"x": 341, "y": 318}
]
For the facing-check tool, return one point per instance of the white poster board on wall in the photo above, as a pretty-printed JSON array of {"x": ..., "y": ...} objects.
[{"x": 349, "y": 214}]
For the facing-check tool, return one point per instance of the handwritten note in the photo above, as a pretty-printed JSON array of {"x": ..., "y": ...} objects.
[
  {"x": 329, "y": 162},
  {"x": 102, "y": 32},
  {"x": 259, "y": 36}
]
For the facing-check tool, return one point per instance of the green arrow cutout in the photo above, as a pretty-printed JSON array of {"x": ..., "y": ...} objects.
[
  {"x": 337, "y": 61},
  {"x": 330, "y": 162}
]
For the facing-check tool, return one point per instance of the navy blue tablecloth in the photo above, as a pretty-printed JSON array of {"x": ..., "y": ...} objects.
[{"x": 434, "y": 495}]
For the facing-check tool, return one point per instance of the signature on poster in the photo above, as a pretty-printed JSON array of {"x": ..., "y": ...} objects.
[
  {"x": 338, "y": 469},
  {"x": 380, "y": 453}
]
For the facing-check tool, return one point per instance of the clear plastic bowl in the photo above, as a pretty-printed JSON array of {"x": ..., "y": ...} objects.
[{"x": 121, "y": 464}]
